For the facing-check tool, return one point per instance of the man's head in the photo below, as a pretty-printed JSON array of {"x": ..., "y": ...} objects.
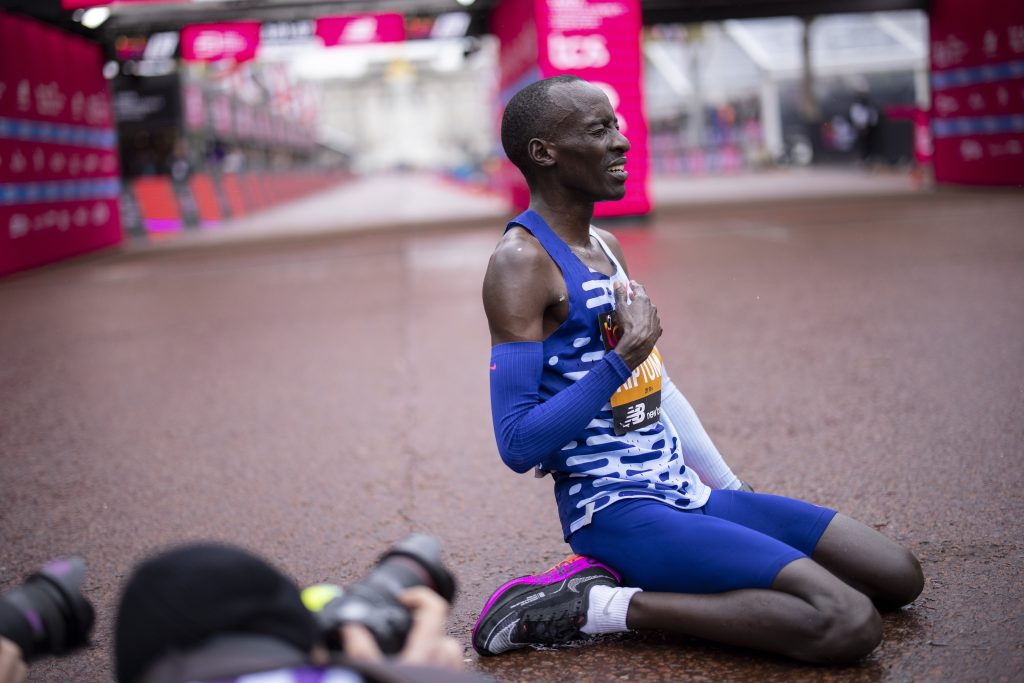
[
  {"x": 564, "y": 129},
  {"x": 177, "y": 600}
]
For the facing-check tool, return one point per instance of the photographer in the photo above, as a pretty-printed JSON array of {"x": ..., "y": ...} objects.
[{"x": 215, "y": 613}]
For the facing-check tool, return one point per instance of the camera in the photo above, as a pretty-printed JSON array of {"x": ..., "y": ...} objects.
[
  {"x": 47, "y": 614},
  {"x": 373, "y": 601}
]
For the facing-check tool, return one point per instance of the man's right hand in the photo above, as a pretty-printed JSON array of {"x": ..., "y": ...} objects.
[{"x": 639, "y": 324}]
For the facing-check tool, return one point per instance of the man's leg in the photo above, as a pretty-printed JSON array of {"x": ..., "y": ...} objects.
[
  {"x": 883, "y": 570},
  {"x": 807, "y": 614},
  {"x": 714, "y": 578},
  {"x": 862, "y": 557}
]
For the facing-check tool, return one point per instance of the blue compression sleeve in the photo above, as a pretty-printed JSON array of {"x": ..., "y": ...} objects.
[{"x": 527, "y": 429}]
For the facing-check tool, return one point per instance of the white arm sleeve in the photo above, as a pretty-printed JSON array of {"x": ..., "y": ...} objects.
[{"x": 699, "y": 453}]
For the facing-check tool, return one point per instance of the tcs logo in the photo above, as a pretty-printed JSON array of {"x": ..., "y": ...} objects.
[
  {"x": 569, "y": 53},
  {"x": 578, "y": 52}
]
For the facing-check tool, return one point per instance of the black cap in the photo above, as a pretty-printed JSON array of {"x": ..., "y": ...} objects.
[{"x": 179, "y": 598}]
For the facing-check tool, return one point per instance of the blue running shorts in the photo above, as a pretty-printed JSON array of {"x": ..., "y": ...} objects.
[{"x": 737, "y": 540}]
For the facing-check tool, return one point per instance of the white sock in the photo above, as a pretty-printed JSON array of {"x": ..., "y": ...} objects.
[{"x": 607, "y": 610}]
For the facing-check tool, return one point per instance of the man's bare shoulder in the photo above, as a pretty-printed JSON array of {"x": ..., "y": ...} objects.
[
  {"x": 520, "y": 283},
  {"x": 518, "y": 252}
]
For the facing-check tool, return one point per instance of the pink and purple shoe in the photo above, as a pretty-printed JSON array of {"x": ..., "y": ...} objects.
[{"x": 541, "y": 609}]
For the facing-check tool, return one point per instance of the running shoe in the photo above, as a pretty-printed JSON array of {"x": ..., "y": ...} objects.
[{"x": 541, "y": 609}]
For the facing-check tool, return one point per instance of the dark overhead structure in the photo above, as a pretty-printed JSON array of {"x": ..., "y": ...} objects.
[
  {"x": 690, "y": 11},
  {"x": 147, "y": 18}
]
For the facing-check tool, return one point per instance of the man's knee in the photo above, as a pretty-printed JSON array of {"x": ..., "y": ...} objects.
[
  {"x": 905, "y": 583},
  {"x": 849, "y": 628}
]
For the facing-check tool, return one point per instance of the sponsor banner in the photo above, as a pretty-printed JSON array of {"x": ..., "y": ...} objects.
[
  {"x": 237, "y": 40},
  {"x": 598, "y": 40},
  {"x": 359, "y": 29},
  {"x": 977, "y": 59},
  {"x": 59, "y": 175},
  {"x": 36, "y": 234}
]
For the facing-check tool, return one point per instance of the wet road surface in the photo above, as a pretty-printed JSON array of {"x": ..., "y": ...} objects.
[{"x": 315, "y": 400}]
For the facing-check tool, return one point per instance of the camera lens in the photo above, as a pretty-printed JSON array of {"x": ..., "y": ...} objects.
[
  {"x": 373, "y": 601},
  {"x": 48, "y": 614}
]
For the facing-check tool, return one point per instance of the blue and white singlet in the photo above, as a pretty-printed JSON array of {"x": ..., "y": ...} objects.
[{"x": 598, "y": 468}]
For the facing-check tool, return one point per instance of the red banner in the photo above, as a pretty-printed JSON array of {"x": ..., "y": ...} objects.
[
  {"x": 598, "y": 40},
  {"x": 237, "y": 40},
  {"x": 359, "y": 29},
  {"x": 977, "y": 54},
  {"x": 58, "y": 155}
]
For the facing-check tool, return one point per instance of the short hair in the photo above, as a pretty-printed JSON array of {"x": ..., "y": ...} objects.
[{"x": 526, "y": 117}]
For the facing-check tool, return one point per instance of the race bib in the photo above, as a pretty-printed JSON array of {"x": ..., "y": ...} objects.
[{"x": 637, "y": 403}]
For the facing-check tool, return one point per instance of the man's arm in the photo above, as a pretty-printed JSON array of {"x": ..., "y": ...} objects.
[{"x": 520, "y": 288}]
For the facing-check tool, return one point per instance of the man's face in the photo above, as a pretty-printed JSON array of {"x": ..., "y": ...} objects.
[{"x": 588, "y": 148}]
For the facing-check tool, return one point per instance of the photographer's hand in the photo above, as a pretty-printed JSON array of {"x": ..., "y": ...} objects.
[
  {"x": 427, "y": 643},
  {"x": 12, "y": 667}
]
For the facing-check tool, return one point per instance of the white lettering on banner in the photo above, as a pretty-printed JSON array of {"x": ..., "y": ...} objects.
[
  {"x": 362, "y": 30},
  {"x": 613, "y": 98},
  {"x": 91, "y": 163},
  {"x": 991, "y": 42},
  {"x": 18, "y": 226},
  {"x": 948, "y": 52},
  {"x": 81, "y": 216},
  {"x": 57, "y": 161},
  {"x": 1016, "y": 34},
  {"x": 577, "y": 15},
  {"x": 945, "y": 104},
  {"x": 97, "y": 109},
  {"x": 75, "y": 166},
  {"x": 578, "y": 52},
  {"x": 970, "y": 150},
  {"x": 49, "y": 99},
  {"x": 24, "y": 95},
  {"x": 976, "y": 101},
  {"x": 18, "y": 162},
  {"x": 77, "y": 106},
  {"x": 210, "y": 44},
  {"x": 100, "y": 213}
]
